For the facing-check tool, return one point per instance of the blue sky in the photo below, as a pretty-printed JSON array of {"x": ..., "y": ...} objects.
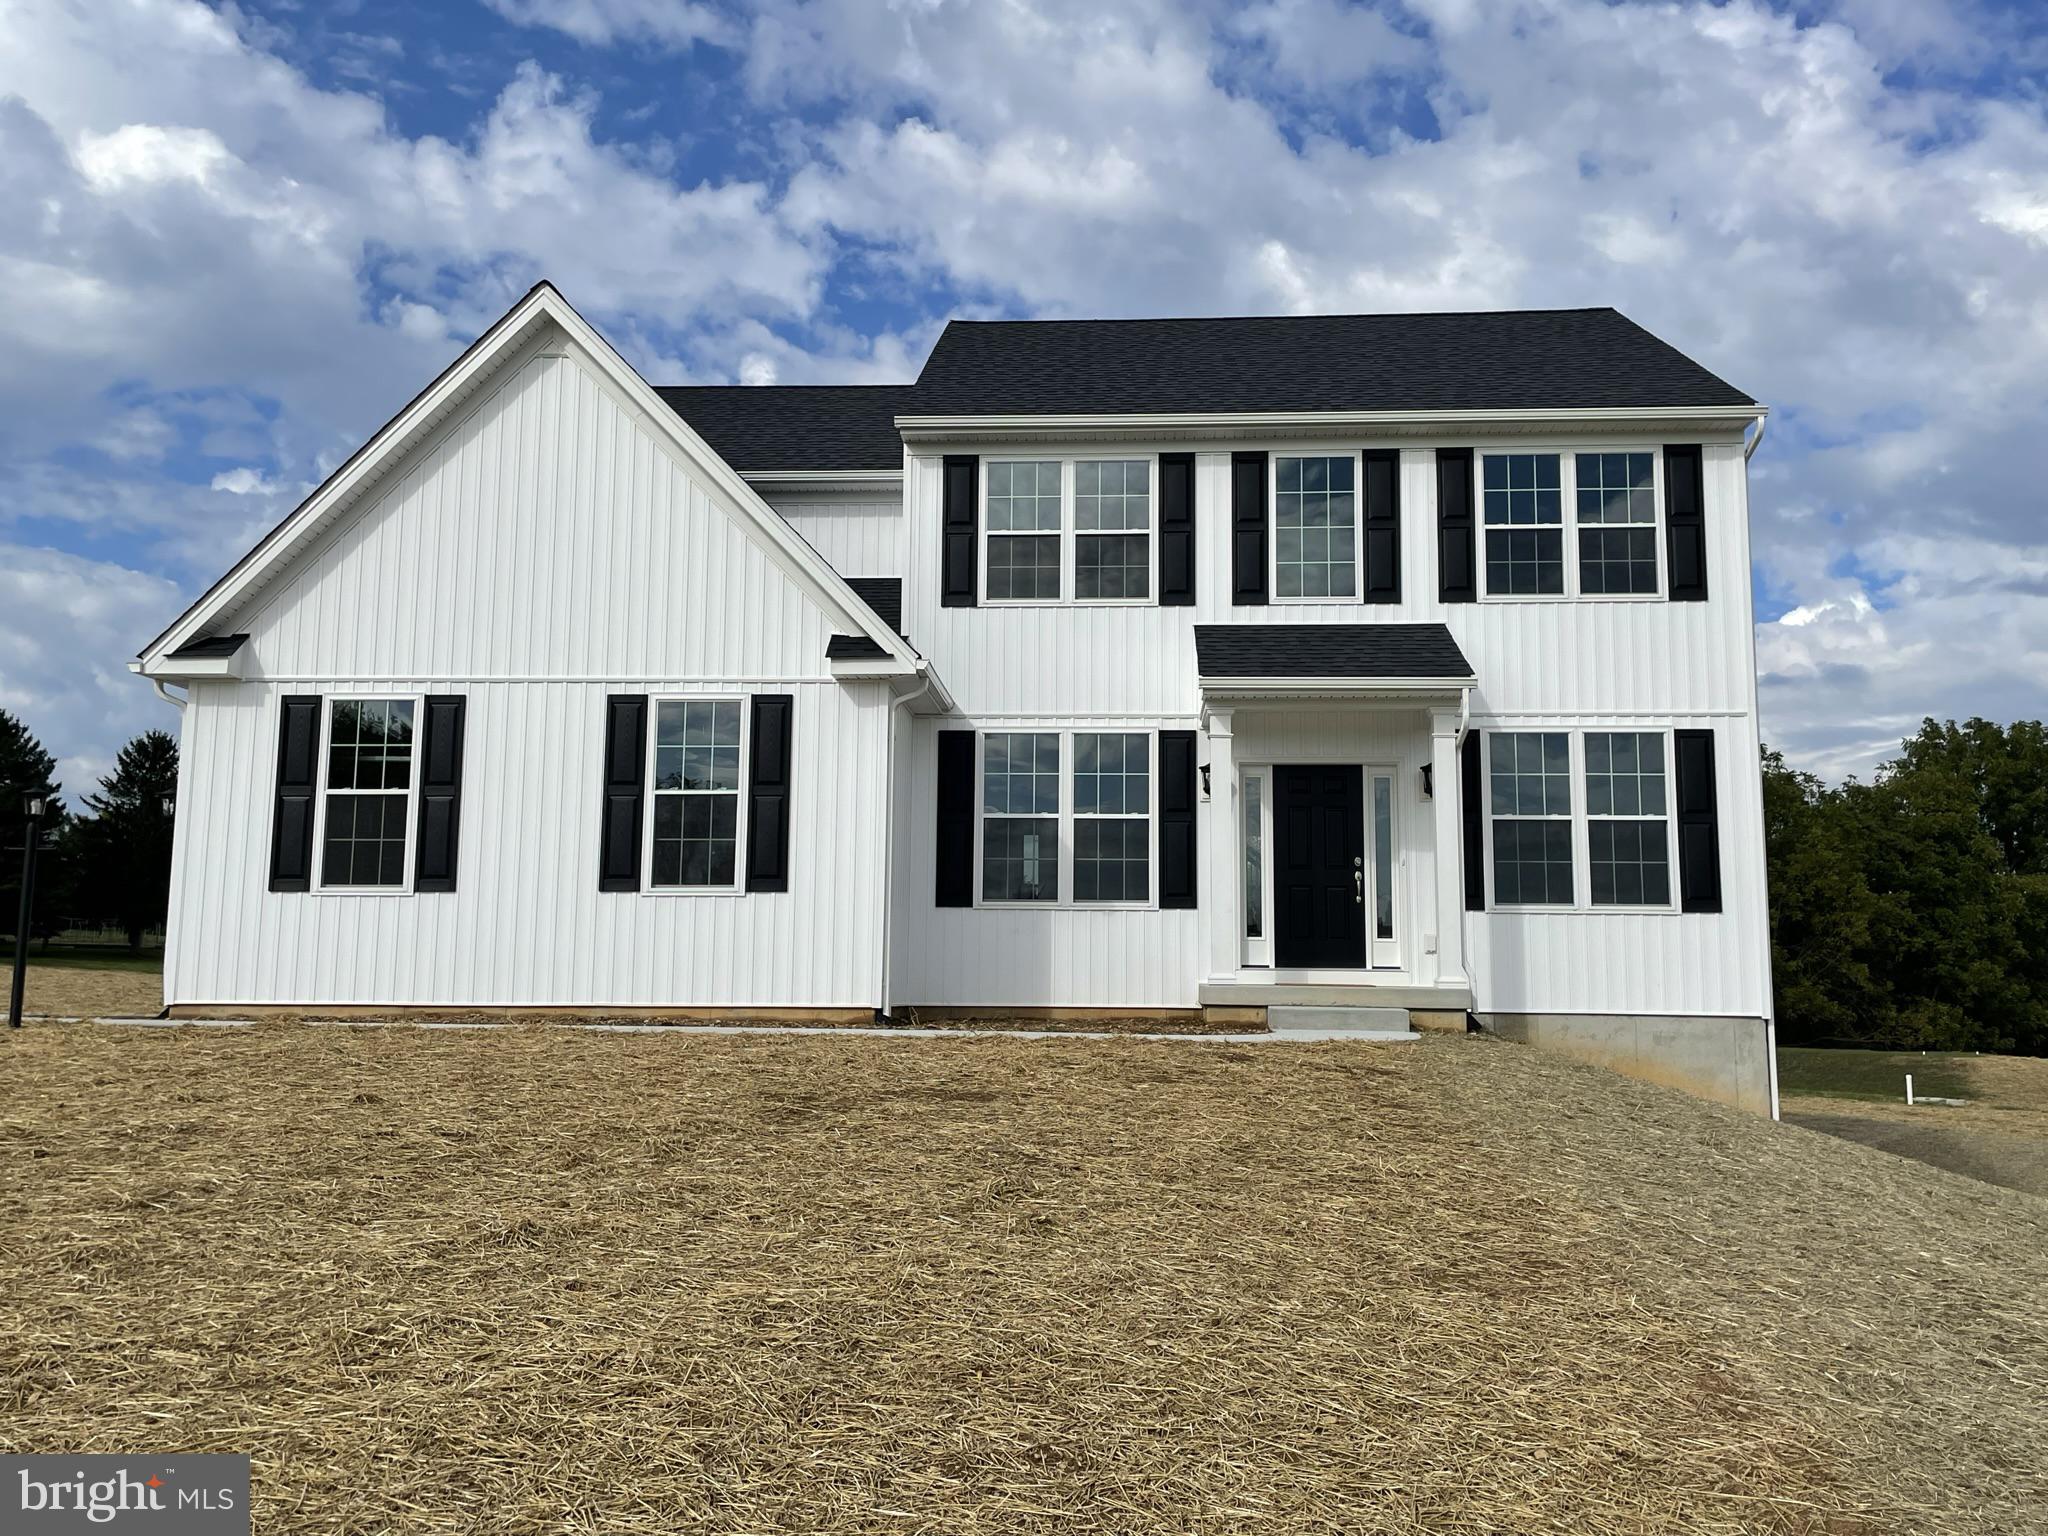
[{"x": 240, "y": 236}]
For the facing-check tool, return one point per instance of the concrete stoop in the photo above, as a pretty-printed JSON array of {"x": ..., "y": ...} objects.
[{"x": 1348, "y": 1023}]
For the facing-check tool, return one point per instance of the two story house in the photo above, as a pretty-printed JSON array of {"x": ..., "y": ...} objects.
[{"x": 1126, "y": 667}]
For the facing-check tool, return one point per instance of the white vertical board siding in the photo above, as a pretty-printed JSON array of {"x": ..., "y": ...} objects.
[
  {"x": 527, "y": 924},
  {"x": 1689, "y": 963},
  {"x": 859, "y": 535},
  {"x": 1581, "y": 663},
  {"x": 545, "y": 533},
  {"x": 1069, "y": 957},
  {"x": 545, "y": 549}
]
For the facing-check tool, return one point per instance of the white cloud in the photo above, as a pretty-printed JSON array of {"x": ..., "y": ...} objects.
[{"x": 668, "y": 23}]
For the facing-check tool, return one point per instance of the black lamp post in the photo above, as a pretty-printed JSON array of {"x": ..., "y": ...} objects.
[{"x": 34, "y": 804}]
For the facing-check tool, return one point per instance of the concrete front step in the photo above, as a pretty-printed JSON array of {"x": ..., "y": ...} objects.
[{"x": 1348, "y": 1023}]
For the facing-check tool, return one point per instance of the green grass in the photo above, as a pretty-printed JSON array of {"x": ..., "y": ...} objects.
[
  {"x": 87, "y": 957},
  {"x": 1873, "y": 1074}
]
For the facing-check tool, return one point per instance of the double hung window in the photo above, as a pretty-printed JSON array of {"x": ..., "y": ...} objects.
[
  {"x": 1570, "y": 524},
  {"x": 694, "y": 825},
  {"x": 1315, "y": 526},
  {"x": 1068, "y": 530},
  {"x": 1066, "y": 816},
  {"x": 366, "y": 807},
  {"x": 1608, "y": 845}
]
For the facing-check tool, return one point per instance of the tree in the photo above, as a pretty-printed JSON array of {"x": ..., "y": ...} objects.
[
  {"x": 25, "y": 768},
  {"x": 124, "y": 852}
]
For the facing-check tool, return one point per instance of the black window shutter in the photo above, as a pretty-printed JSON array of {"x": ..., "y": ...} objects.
[
  {"x": 1699, "y": 823},
  {"x": 1247, "y": 530},
  {"x": 768, "y": 772},
  {"x": 625, "y": 786},
  {"x": 1473, "y": 809},
  {"x": 1685, "y": 523},
  {"x": 1382, "y": 525},
  {"x": 291, "y": 829},
  {"x": 1457, "y": 559},
  {"x": 440, "y": 792},
  {"x": 1177, "y": 810},
  {"x": 955, "y": 798},
  {"x": 960, "y": 530},
  {"x": 1176, "y": 530}
]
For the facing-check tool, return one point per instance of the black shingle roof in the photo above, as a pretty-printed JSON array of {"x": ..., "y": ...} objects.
[
  {"x": 211, "y": 647},
  {"x": 884, "y": 594},
  {"x": 1503, "y": 360},
  {"x": 1328, "y": 650},
  {"x": 795, "y": 426}
]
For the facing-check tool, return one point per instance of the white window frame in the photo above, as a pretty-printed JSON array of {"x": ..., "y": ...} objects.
[
  {"x": 1568, "y": 493},
  {"x": 412, "y": 794},
  {"x": 1314, "y": 451},
  {"x": 1068, "y": 534},
  {"x": 1581, "y": 817},
  {"x": 1063, "y": 838},
  {"x": 1670, "y": 818},
  {"x": 739, "y": 861}
]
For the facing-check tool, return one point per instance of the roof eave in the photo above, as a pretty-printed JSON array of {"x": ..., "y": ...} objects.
[{"x": 1161, "y": 425}]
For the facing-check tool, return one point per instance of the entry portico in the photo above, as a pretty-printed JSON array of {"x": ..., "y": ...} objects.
[{"x": 1333, "y": 776}]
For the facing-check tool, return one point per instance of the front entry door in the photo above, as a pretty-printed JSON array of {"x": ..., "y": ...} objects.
[{"x": 1319, "y": 873}]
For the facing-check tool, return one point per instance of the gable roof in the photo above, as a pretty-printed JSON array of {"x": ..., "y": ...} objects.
[
  {"x": 1386, "y": 651},
  {"x": 349, "y": 485},
  {"x": 761, "y": 428},
  {"x": 1556, "y": 359}
]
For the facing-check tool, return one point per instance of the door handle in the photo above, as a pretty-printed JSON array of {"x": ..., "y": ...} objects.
[{"x": 1358, "y": 887}]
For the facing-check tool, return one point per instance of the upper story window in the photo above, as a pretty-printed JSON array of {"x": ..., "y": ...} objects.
[
  {"x": 1537, "y": 506},
  {"x": 1315, "y": 526},
  {"x": 1112, "y": 529},
  {"x": 366, "y": 807},
  {"x": 694, "y": 827},
  {"x": 1075, "y": 530},
  {"x": 1024, "y": 531}
]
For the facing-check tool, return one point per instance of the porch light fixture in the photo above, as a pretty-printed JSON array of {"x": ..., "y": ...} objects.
[
  {"x": 1429, "y": 781},
  {"x": 1205, "y": 782}
]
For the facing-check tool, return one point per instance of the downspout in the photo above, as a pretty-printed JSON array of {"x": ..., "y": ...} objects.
[
  {"x": 1464, "y": 910},
  {"x": 1756, "y": 719},
  {"x": 168, "y": 697},
  {"x": 1749, "y": 448},
  {"x": 889, "y": 842}
]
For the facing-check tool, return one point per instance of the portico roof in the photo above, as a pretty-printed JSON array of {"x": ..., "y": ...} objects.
[{"x": 1324, "y": 658}]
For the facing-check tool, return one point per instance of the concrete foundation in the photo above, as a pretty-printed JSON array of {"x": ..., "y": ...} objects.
[{"x": 1726, "y": 1060}]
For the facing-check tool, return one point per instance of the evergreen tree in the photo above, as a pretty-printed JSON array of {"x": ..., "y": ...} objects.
[
  {"x": 124, "y": 852},
  {"x": 24, "y": 768}
]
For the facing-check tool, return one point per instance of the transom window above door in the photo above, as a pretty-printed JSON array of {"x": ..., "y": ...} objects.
[
  {"x": 1570, "y": 524},
  {"x": 1068, "y": 530},
  {"x": 1315, "y": 526}
]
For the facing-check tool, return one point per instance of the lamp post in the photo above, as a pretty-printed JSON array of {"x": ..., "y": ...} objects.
[{"x": 34, "y": 804}]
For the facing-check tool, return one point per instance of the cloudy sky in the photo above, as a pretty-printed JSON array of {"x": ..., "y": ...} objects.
[{"x": 233, "y": 239}]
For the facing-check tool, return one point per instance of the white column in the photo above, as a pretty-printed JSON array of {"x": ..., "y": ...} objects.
[
  {"x": 1222, "y": 851},
  {"x": 1450, "y": 852}
]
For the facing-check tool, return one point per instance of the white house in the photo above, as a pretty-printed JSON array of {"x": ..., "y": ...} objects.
[{"x": 1126, "y": 666}]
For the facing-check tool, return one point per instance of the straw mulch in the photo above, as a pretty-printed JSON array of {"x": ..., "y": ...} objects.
[
  {"x": 544, "y": 1280},
  {"x": 72, "y": 991}
]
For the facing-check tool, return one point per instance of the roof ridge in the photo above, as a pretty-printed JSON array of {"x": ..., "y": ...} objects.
[{"x": 1377, "y": 314}]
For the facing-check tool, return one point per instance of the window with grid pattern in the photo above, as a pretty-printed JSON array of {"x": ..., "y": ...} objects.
[
  {"x": 1315, "y": 527},
  {"x": 1020, "y": 816},
  {"x": 1112, "y": 817},
  {"x": 1023, "y": 517},
  {"x": 696, "y": 793},
  {"x": 1112, "y": 528},
  {"x": 1531, "y": 783},
  {"x": 1524, "y": 511},
  {"x": 1627, "y": 831},
  {"x": 369, "y": 792},
  {"x": 1617, "y": 521}
]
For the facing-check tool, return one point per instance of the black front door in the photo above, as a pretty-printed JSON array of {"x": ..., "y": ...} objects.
[{"x": 1319, "y": 875}]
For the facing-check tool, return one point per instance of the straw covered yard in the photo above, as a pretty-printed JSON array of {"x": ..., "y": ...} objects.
[{"x": 539, "y": 1279}]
